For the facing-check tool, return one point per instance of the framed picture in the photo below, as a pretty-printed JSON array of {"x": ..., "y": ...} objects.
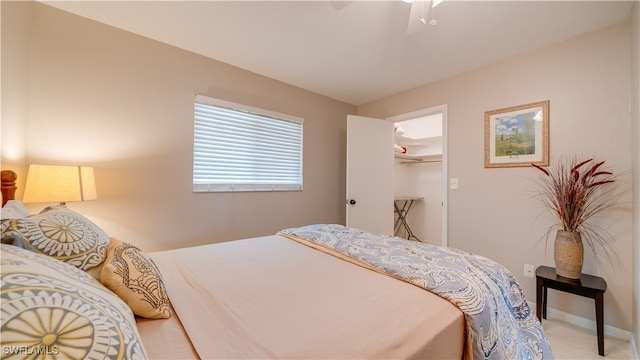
[{"x": 517, "y": 136}]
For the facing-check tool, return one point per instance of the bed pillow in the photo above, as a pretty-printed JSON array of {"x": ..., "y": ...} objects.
[
  {"x": 13, "y": 209},
  {"x": 54, "y": 309},
  {"x": 60, "y": 233},
  {"x": 129, "y": 273}
]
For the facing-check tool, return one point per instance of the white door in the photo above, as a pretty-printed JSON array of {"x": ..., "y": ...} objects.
[{"x": 370, "y": 174}]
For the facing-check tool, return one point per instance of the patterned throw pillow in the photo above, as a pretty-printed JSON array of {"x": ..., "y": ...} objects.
[
  {"x": 129, "y": 273},
  {"x": 49, "y": 309},
  {"x": 60, "y": 233}
]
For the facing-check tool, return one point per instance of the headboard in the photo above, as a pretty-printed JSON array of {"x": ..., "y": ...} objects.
[{"x": 8, "y": 186}]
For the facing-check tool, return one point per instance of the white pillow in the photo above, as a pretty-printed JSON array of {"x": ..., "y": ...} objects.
[{"x": 14, "y": 209}]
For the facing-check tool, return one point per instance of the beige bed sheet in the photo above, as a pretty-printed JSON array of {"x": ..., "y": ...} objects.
[
  {"x": 165, "y": 339},
  {"x": 271, "y": 297}
]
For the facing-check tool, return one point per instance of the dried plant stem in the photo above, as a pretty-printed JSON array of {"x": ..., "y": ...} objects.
[{"x": 574, "y": 192}]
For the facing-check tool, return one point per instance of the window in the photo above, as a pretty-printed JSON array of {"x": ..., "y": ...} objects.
[{"x": 239, "y": 148}]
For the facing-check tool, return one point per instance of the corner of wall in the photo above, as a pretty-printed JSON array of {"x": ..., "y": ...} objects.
[{"x": 634, "y": 95}]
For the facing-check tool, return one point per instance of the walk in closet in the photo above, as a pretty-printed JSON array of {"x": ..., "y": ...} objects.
[
  {"x": 395, "y": 175},
  {"x": 418, "y": 178}
]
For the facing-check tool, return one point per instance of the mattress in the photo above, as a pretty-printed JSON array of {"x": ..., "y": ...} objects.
[{"x": 271, "y": 297}]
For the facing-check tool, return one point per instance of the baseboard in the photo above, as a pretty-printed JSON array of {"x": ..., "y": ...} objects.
[{"x": 586, "y": 323}]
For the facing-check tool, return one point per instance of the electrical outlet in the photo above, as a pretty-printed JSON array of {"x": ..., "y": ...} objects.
[
  {"x": 454, "y": 183},
  {"x": 528, "y": 270}
]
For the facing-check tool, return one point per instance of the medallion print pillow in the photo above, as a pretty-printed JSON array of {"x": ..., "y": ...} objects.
[
  {"x": 62, "y": 234},
  {"x": 49, "y": 309}
]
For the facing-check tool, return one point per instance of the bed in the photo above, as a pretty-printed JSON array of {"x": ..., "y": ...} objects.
[{"x": 321, "y": 291}]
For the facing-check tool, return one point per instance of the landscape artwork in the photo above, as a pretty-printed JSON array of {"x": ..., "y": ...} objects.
[{"x": 517, "y": 136}]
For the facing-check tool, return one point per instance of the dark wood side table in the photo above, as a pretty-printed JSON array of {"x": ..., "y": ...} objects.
[{"x": 588, "y": 285}]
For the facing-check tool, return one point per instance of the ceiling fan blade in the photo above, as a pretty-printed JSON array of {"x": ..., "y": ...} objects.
[
  {"x": 418, "y": 16},
  {"x": 338, "y": 5}
]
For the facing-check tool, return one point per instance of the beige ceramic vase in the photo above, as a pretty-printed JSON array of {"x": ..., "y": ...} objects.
[{"x": 568, "y": 254}]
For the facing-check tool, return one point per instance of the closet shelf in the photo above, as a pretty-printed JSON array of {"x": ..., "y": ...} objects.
[
  {"x": 407, "y": 141},
  {"x": 418, "y": 158}
]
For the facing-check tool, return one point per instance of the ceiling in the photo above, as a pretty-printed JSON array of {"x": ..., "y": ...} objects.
[{"x": 354, "y": 51}]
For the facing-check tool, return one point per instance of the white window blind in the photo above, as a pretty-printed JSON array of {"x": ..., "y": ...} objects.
[{"x": 239, "y": 148}]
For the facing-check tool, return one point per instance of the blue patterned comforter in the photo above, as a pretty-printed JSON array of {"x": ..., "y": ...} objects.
[{"x": 499, "y": 321}]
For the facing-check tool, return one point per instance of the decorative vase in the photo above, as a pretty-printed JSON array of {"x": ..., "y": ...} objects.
[{"x": 568, "y": 254}]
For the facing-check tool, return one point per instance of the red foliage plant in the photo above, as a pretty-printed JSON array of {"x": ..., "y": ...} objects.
[{"x": 574, "y": 192}]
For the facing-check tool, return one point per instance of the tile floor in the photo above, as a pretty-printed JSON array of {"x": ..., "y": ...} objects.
[{"x": 573, "y": 342}]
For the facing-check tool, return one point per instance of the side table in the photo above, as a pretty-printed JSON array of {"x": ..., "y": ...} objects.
[{"x": 588, "y": 285}]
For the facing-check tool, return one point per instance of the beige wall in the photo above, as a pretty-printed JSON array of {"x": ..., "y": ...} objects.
[
  {"x": 14, "y": 89},
  {"x": 587, "y": 81},
  {"x": 635, "y": 121},
  {"x": 122, "y": 103}
]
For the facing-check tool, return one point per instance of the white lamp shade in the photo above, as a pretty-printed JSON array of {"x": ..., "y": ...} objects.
[{"x": 59, "y": 183}]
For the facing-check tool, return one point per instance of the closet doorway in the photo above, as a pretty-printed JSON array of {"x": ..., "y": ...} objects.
[{"x": 420, "y": 173}]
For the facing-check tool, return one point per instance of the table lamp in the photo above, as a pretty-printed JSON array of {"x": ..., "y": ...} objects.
[{"x": 59, "y": 183}]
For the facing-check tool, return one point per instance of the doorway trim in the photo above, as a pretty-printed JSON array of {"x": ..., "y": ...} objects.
[{"x": 440, "y": 109}]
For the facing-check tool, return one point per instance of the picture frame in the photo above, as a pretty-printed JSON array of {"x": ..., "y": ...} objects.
[{"x": 517, "y": 136}]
